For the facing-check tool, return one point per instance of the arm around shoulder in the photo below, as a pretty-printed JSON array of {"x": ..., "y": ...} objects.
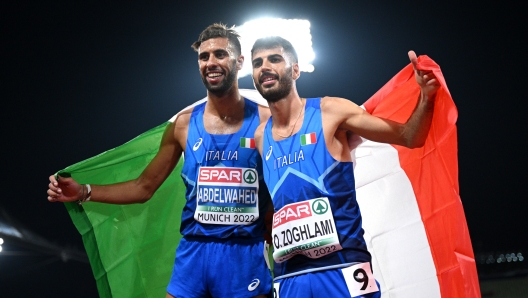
[{"x": 259, "y": 137}]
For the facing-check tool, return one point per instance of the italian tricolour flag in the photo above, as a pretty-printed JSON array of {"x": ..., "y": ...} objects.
[
  {"x": 308, "y": 139},
  {"x": 247, "y": 143},
  {"x": 413, "y": 217}
]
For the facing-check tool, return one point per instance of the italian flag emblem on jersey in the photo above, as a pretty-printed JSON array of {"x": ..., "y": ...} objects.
[
  {"x": 308, "y": 139},
  {"x": 247, "y": 143}
]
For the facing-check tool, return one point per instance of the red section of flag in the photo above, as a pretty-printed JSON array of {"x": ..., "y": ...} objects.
[
  {"x": 433, "y": 172},
  {"x": 312, "y": 138}
]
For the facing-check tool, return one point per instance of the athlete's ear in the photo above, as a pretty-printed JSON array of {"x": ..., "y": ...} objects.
[
  {"x": 296, "y": 72},
  {"x": 240, "y": 62}
]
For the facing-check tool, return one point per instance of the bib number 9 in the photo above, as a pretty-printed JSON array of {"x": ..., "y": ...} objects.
[{"x": 359, "y": 279}]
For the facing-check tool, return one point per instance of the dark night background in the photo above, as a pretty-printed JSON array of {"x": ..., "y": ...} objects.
[{"x": 80, "y": 78}]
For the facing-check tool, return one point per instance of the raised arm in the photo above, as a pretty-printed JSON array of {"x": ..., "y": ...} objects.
[
  {"x": 134, "y": 191},
  {"x": 412, "y": 134}
]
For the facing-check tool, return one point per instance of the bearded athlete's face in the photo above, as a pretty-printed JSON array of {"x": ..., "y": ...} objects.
[
  {"x": 218, "y": 64},
  {"x": 272, "y": 73}
]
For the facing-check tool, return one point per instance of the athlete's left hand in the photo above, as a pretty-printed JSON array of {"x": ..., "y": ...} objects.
[{"x": 425, "y": 79}]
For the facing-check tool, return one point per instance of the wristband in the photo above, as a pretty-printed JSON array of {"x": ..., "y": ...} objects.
[{"x": 88, "y": 194}]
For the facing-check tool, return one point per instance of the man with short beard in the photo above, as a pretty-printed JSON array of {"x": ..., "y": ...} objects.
[
  {"x": 319, "y": 249},
  {"x": 222, "y": 251}
]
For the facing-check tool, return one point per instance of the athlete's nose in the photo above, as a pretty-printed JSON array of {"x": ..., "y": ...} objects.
[
  {"x": 266, "y": 65},
  {"x": 211, "y": 62}
]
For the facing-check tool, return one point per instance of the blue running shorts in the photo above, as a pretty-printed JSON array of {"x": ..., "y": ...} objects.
[
  {"x": 343, "y": 282},
  {"x": 220, "y": 268}
]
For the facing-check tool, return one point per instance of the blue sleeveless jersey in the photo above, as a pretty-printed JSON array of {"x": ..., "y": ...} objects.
[
  {"x": 225, "y": 191},
  {"x": 299, "y": 169}
]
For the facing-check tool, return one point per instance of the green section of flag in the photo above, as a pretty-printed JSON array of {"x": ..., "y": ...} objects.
[
  {"x": 131, "y": 247},
  {"x": 303, "y": 139}
]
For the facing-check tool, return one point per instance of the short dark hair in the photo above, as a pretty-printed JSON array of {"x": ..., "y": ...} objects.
[
  {"x": 271, "y": 42},
  {"x": 219, "y": 30}
]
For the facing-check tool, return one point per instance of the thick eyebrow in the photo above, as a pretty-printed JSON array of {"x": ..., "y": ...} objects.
[
  {"x": 269, "y": 58},
  {"x": 219, "y": 51},
  {"x": 275, "y": 56}
]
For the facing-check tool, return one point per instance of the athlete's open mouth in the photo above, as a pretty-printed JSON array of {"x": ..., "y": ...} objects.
[
  {"x": 214, "y": 76},
  {"x": 268, "y": 78}
]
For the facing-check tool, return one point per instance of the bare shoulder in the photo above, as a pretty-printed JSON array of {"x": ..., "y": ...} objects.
[
  {"x": 264, "y": 113},
  {"x": 337, "y": 105},
  {"x": 180, "y": 125},
  {"x": 340, "y": 109},
  {"x": 182, "y": 119},
  {"x": 259, "y": 134}
]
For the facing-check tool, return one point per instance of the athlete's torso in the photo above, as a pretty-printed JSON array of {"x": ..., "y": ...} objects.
[
  {"x": 305, "y": 181},
  {"x": 225, "y": 191}
]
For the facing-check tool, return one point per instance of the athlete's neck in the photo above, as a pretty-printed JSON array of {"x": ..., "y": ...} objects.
[
  {"x": 228, "y": 106},
  {"x": 286, "y": 110},
  {"x": 286, "y": 116}
]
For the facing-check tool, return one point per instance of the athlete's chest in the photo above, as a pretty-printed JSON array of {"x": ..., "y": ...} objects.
[{"x": 218, "y": 126}]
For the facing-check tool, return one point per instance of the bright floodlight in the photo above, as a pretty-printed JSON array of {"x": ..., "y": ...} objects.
[
  {"x": 1, "y": 241},
  {"x": 295, "y": 31}
]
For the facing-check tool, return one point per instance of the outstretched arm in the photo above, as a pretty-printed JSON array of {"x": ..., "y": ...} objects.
[
  {"x": 139, "y": 190},
  {"x": 411, "y": 134},
  {"x": 417, "y": 127}
]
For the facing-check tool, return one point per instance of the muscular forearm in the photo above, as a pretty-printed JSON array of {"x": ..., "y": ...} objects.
[
  {"x": 66, "y": 189},
  {"x": 129, "y": 192},
  {"x": 415, "y": 131}
]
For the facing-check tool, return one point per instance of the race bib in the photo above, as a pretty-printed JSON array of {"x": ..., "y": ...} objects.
[
  {"x": 227, "y": 196},
  {"x": 359, "y": 279},
  {"x": 306, "y": 228}
]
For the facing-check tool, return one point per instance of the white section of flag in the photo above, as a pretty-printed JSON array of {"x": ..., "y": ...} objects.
[{"x": 394, "y": 231}]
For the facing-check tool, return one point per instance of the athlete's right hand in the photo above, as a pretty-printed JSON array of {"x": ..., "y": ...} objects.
[{"x": 64, "y": 190}]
